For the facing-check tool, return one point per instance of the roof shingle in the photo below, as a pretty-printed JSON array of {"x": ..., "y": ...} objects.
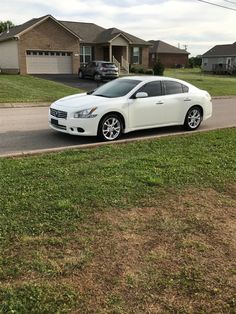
[
  {"x": 87, "y": 32},
  {"x": 159, "y": 46},
  {"x": 221, "y": 50}
]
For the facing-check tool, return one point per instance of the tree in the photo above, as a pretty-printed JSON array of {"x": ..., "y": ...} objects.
[
  {"x": 4, "y": 25},
  {"x": 158, "y": 68},
  {"x": 195, "y": 61}
]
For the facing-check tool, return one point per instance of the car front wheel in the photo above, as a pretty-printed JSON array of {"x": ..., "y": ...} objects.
[
  {"x": 193, "y": 118},
  {"x": 97, "y": 77},
  {"x": 81, "y": 75},
  {"x": 110, "y": 128}
]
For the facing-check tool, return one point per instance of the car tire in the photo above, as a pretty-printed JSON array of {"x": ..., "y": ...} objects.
[
  {"x": 110, "y": 127},
  {"x": 81, "y": 75},
  {"x": 193, "y": 118},
  {"x": 97, "y": 77}
]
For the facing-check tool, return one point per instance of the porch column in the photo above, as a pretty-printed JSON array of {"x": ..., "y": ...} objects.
[
  {"x": 110, "y": 52},
  {"x": 127, "y": 53}
]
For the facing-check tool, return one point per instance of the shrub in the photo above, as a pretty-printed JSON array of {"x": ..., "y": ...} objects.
[
  {"x": 158, "y": 68},
  {"x": 149, "y": 71}
]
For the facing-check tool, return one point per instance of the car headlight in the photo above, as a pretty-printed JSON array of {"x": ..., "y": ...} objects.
[{"x": 86, "y": 113}]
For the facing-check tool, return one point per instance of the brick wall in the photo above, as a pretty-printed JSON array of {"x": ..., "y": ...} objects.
[
  {"x": 48, "y": 36},
  {"x": 169, "y": 60}
]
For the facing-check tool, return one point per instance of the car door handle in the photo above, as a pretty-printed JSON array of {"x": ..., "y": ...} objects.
[
  {"x": 187, "y": 99},
  {"x": 159, "y": 103}
]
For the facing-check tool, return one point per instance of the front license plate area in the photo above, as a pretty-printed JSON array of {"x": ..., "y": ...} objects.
[{"x": 54, "y": 121}]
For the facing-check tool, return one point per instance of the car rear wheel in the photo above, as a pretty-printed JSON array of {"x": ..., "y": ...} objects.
[
  {"x": 193, "y": 118},
  {"x": 110, "y": 128}
]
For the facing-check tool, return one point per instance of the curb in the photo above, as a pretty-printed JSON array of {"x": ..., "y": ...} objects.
[
  {"x": 24, "y": 105},
  {"x": 43, "y": 151}
]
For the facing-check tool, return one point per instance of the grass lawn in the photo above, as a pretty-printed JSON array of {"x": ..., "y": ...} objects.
[
  {"x": 146, "y": 227},
  {"x": 216, "y": 85},
  {"x": 26, "y": 88}
]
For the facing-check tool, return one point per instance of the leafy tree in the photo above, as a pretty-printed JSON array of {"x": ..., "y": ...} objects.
[
  {"x": 195, "y": 61},
  {"x": 3, "y": 25},
  {"x": 158, "y": 68}
]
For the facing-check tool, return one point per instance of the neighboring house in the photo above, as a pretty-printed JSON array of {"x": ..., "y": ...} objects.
[
  {"x": 168, "y": 55},
  {"x": 220, "y": 59},
  {"x": 46, "y": 45}
]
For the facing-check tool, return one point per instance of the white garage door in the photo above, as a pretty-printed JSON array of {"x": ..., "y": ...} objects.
[{"x": 48, "y": 62}]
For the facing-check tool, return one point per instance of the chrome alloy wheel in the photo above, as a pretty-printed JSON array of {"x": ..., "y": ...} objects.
[
  {"x": 194, "y": 118},
  {"x": 111, "y": 128}
]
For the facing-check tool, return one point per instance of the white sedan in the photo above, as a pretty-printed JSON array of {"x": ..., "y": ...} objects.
[{"x": 131, "y": 103}]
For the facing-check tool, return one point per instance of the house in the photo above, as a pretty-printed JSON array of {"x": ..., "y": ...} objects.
[
  {"x": 47, "y": 45},
  {"x": 220, "y": 59},
  {"x": 168, "y": 55}
]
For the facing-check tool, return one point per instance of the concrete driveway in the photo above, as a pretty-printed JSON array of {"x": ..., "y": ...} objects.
[{"x": 71, "y": 80}]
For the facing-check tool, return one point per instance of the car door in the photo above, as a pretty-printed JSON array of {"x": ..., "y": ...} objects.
[
  {"x": 148, "y": 111},
  {"x": 176, "y": 102}
]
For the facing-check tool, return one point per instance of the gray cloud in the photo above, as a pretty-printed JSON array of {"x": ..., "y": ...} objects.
[{"x": 190, "y": 22}]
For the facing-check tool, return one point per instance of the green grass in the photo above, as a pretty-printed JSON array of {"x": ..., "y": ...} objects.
[
  {"x": 26, "y": 88},
  {"x": 216, "y": 85},
  {"x": 138, "y": 228}
]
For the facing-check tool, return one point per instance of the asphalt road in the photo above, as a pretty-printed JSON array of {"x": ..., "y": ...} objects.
[{"x": 26, "y": 129}]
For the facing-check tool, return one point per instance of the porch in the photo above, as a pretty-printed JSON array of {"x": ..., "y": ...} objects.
[{"x": 224, "y": 69}]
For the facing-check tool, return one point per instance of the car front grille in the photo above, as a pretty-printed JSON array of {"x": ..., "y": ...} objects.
[{"x": 58, "y": 113}]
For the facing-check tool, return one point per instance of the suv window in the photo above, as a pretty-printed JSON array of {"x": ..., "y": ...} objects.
[
  {"x": 152, "y": 89},
  {"x": 172, "y": 87},
  {"x": 108, "y": 65}
]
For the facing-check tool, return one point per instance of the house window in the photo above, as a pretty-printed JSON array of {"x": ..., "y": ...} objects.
[
  {"x": 136, "y": 55},
  {"x": 85, "y": 54}
]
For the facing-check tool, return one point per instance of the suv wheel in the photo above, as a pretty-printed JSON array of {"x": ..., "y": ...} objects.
[
  {"x": 97, "y": 77},
  {"x": 81, "y": 75}
]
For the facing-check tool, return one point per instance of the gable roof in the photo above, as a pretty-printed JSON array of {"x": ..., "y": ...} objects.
[
  {"x": 221, "y": 50},
  {"x": 159, "y": 46},
  {"x": 86, "y": 31},
  {"x": 16, "y": 31},
  {"x": 111, "y": 33}
]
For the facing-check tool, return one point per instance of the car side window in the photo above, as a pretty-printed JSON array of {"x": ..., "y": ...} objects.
[
  {"x": 172, "y": 87},
  {"x": 185, "y": 89},
  {"x": 153, "y": 89}
]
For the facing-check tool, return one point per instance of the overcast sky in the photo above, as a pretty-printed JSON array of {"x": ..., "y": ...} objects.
[{"x": 177, "y": 22}]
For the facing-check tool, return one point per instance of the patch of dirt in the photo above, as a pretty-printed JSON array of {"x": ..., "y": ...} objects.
[{"x": 176, "y": 257}]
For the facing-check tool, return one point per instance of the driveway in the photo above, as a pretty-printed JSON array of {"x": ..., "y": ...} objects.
[{"x": 71, "y": 80}]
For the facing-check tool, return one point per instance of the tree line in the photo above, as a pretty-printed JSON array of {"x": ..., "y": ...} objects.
[{"x": 4, "y": 25}]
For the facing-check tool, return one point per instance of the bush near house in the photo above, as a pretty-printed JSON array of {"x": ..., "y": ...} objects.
[{"x": 158, "y": 68}]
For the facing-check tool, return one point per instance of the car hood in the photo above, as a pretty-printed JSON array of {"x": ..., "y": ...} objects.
[{"x": 79, "y": 101}]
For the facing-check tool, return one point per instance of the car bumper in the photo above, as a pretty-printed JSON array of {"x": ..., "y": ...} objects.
[
  {"x": 109, "y": 75},
  {"x": 81, "y": 127}
]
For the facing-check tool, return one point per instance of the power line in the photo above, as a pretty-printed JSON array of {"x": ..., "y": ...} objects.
[
  {"x": 230, "y": 1},
  {"x": 217, "y": 5}
]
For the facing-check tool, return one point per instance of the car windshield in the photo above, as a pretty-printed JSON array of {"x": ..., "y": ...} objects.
[{"x": 116, "y": 88}]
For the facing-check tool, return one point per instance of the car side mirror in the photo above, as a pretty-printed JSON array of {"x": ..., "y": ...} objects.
[{"x": 141, "y": 95}]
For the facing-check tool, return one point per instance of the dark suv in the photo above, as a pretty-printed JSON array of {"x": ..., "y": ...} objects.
[{"x": 99, "y": 70}]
